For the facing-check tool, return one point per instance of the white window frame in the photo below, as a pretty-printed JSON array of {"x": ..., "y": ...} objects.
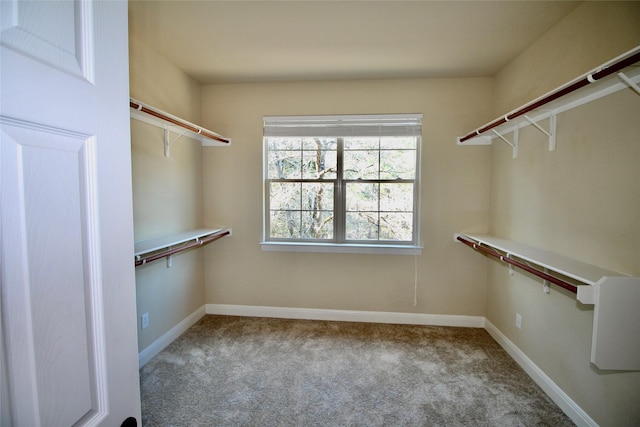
[{"x": 341, "y": 127}]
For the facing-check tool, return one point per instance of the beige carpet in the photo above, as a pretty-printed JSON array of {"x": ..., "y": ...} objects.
[{"x": 238, "y": 371}]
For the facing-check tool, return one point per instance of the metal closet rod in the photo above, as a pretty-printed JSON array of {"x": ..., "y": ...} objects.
[
  {"x": 164, "y": 117},
  {"x": 590, "y": 78},
  {"x": 195, "y": 243},
  {"x": 523, "y": 266}
]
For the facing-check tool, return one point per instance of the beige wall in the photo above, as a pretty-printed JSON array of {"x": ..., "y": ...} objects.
[
  {"x": 455, "y": 182},
  {"x": 167, "y": 193},
  {"x": 588, "y": 36},
  {"x": 582, "y": 201}
]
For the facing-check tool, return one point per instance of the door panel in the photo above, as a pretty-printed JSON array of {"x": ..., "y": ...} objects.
[
  {"x": 66, "y": 229},
  {"x": 49, "y": 311},
  {"x": 56, "y": 33}
]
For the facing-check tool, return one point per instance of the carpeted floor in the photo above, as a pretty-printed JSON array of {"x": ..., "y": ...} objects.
[{"x": 239, "y": 371}]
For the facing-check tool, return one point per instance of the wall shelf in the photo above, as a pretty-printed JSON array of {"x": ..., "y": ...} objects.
[
  {"x": 180, "y": 127},
  {"x": 163, "y": 247},
  {"x": 588, "y": 274},
  {"x": 615, "y": 296},
  {"x": 620, "y": 73}
]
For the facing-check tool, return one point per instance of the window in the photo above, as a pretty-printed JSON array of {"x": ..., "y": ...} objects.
[{"x": 336, "y": 182}]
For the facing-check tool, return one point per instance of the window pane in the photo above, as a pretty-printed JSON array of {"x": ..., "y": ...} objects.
[
  {"x": 371, "y": 143},
  {"x": 317, "y": 196},
  {"x": 317, "y": 217},
  {"x": 285, "y": 196},
  {"x": 301, "y": 210},
  {"x": 320, "y": 164},
  {"x": 285, "y": 164},
  {"x": 398, "y": 142},
  {"x": 362, "y": 197},
  {"x": 329, "y": 167},
  {"x": 396, "y": 197},
  {"x": 361, "y": 164},
  {"x": 397, "y": 164},
  {"x": 396, "y": 226},
  {"x": 362, "y": 226},
  {"x": 317, "y": 225},
  {"x": 284, "y": 143},
  {"x": 321, "y": 143},
  {"x": 284, "y": 225}
]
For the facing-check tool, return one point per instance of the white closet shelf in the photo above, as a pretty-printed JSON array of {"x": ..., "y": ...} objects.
[
  {"x": 170, "y": 123},
  {"x": 165, "y": 246},
  {"x": 588, "y": 274},
  {"x": 618, "y": 74},
  {"x": 615, "y": 341}
]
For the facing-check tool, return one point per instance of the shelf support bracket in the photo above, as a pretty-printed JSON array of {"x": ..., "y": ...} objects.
[
  {"x": 545, "y": 282},
  {"x": 511, "y": 270},
  {"x": 513, "y": 144},
  {"x": 552, "y": 129},
  {"x": 629, "y": 82},
  {"x": 168, "y": 142}
]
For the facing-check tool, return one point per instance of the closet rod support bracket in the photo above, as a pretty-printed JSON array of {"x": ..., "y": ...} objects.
[
  {"x": 511, "y": 270},
  {"x": 513, "y": 144},
  {"x": 629, "y": 82},
  {"x": 168, "y": 141},
  {"x": 551, "y": 133},
  {"x": 545, "y": 283}
]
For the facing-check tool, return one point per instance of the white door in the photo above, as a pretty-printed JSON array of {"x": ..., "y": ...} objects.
[{"x": 68, "y": 319}]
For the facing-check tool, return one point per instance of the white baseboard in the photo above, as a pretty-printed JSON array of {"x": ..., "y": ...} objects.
[
  {"x": 568, "y": 406},
  {"x": 347, "y": 315},
  {"x": 158, "y": 345}
]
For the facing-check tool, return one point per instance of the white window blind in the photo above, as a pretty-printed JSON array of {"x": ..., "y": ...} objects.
[{"x": 343, "y": 126}]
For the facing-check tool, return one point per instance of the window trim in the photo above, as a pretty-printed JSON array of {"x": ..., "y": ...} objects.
[
  {"x": 336, "y": 245},
  {"x": 341, "y": 248}
]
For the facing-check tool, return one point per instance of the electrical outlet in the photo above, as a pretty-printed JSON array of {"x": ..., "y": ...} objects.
[
  {"x": 145, "y": 320},
  {"x": 518, "y": 321}
]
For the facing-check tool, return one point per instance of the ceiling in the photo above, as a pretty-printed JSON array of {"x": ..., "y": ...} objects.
[{"x": 258, "y": 41}]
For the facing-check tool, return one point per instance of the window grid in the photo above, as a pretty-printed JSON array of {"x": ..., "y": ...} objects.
[{"x": 340, "y": 184}]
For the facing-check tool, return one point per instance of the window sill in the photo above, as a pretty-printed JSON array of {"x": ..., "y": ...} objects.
[{"x": 341, "y": 248}]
